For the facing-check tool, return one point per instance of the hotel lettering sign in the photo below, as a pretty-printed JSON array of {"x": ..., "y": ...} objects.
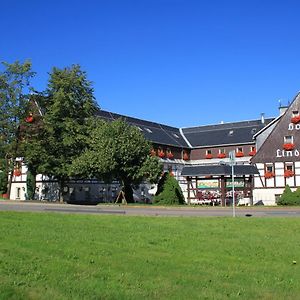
[
  {"x": 285, "y": 153},
  {"x": 289, "y": 153}
]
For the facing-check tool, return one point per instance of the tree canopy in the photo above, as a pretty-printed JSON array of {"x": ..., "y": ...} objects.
[
  {"x": 118, "y": 151},
  {"x": 15, "y": 88},
  {"x": 69, "y": 103}
]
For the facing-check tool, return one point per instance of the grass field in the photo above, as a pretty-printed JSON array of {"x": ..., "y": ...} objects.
[{"x": 61, "y": 256}]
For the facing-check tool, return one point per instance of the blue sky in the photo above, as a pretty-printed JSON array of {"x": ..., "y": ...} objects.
[{"x": 177, "y": 62}]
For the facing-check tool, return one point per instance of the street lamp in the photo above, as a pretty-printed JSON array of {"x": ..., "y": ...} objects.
[{"x": 232, "y": 162}]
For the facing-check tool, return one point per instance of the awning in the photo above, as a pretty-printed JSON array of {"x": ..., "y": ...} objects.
[{"x": 218, "y": 170}]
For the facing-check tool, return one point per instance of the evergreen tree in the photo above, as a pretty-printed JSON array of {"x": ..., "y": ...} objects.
[
  {"x": 168, "y": 191},
  {"x": 287, "y": 197}
]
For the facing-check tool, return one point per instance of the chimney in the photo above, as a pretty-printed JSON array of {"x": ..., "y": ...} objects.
[
  {"x": 282, "y": 108},
  {"x": 262, "y": 116}
]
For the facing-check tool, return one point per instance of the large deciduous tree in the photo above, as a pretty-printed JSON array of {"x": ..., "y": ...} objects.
[
  {"x": 69, "y": 105},
  {"x": 15, "y": 88},
  {"x": 118, "y": 151}
]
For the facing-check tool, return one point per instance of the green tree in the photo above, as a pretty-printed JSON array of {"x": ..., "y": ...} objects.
[
  {"x": 168, "y": 191},
  {"x": 118, "y": 151},
  {"x": 15, "y": 88},
  {"x": 69, "y": 103}
]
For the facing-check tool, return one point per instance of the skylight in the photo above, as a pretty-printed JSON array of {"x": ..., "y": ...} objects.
[
  {"x": 175, "y": 135},
  {"x": 230, "y": 132},
  {"x": 148, "y": 130}
]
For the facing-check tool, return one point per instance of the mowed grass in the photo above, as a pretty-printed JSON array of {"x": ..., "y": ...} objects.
[{"x": 62, "y": 256}]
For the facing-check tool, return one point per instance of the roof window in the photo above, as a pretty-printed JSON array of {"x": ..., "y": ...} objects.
[
  {"x": 230, "y": 133},
  {"x": 175, "y": 135},
  {"x": 139, "y": 128},
  {"x": 148, "y": 130},
  {"x": 253, "y": 130}
]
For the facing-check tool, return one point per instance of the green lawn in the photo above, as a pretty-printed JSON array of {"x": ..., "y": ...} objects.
[{"x": 62, "y": 256}]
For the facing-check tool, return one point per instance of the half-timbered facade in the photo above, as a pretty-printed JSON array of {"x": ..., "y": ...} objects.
[
  {"x": 278, "y": 155},
  {"x": 266, "y": 154}
]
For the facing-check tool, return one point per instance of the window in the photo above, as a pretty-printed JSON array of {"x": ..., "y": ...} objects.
[
  {"x": 148, "y": 130},
  {"x": 208, "y": 152},
  {"x": 18, "y": 193},
  {"x": 239, "y": 149},
  {"x": 230, "y": 133},
  {"x": 269, "y": 168},
  {"x": 253, "y": 130},
  {"x": 222, "y": 151},
  {"x": 252, "y": 148},
  {"x": 175, "y": 135},
  {"x": 288, "y": 139},
  {"x": 289, "y": 167},
  {"x": 139, "y": 128},
  {"x": 295, "y": 113}
]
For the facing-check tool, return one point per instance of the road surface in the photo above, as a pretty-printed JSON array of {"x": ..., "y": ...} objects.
[{"x": 186, "y": 211}]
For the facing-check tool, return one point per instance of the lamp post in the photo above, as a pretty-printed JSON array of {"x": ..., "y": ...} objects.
[{"x": 232, "y": 161}]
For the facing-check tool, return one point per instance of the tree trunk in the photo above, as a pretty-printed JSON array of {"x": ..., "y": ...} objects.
[
  {"x": 61, "y": 186},
  {"x": 127, "y": 189}
]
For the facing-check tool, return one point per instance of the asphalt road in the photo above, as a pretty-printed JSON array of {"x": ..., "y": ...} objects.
[{"x": 129, "y": 210}]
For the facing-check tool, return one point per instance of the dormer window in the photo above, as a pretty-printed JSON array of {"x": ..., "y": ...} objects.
[
  {"x": 253, "y": 130},
  {"x": 230, "y": 133},
  {"x": 148, "y": 130}
]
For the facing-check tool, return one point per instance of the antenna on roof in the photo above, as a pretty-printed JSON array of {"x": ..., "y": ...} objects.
[{"x": 262, "y": 118}]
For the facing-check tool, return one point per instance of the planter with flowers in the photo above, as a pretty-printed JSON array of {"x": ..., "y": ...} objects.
[
  {"x": 252, "y": 153},
  {"x": 185, "y": 156},
  {"x": 17, "y": 172},
  {"x": 269, "y": 175},
  {"x": 153, "y": 152},
  {"x": 170, "y": 155},
  {"x": 288, "y": 173},
  {"x": 161, "y": 153},
  {"x": 221, "y": 155},
  {"x": 208, "y": 156},
  {"x": 295, "y": 119},
  {"x": 29, "y": 119},
  {"x": 239, "y": 154},
  {"x": 288, "y": 146}
]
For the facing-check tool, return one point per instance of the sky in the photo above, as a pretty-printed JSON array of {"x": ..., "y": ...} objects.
[{"x": 177, "y": 62}]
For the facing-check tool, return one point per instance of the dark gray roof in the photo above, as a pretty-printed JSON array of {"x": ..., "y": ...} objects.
[
  {"x": 224, "y": 134},
  {"x": 154, "y": 132},
  {"x": 205, "y": 170}
]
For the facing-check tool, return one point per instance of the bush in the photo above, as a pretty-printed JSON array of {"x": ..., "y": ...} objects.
[
  {"x": 168, "y": 191},
  {"x": 289, "y": 198}
]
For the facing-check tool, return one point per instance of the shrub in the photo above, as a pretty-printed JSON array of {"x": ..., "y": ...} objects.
[
  {"x": 288, "y": 197},
  {"x": 168, "y": 191}
]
